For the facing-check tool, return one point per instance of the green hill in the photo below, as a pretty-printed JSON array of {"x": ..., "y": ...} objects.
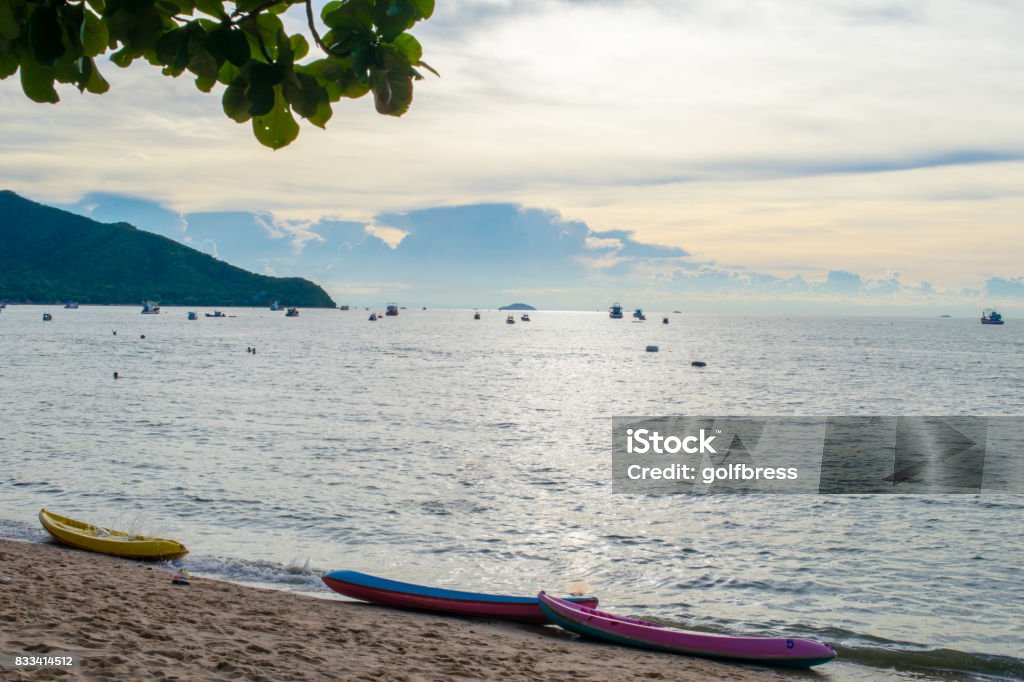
[{"x": 47, "y": 254}]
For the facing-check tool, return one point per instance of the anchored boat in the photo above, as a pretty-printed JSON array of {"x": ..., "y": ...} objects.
[
  {"x": 392, "y": 310},
  {"x": 150, "y": 308},
  {"x": 589, "y": 622},
  {"x": 615, "y": 311},
  {"x": 990, "y": 316},
  {"x": 408, "y": 596},
  {"x": 82, "y": 535}
]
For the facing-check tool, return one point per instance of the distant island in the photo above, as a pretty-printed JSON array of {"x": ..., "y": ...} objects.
[
  {"x": 48, "y": 255},
  {"x": 517, "y": 306}
]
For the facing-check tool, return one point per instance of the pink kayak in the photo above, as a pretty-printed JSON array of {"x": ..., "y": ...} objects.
[
  {"x": 408, "y": 596},
  {"x": 586, "y": 621}
]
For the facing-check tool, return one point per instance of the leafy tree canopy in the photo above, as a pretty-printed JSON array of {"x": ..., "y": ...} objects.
[{"x": 243, "y": 45}]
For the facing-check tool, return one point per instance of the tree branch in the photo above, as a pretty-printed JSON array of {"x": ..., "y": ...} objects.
[{"x": 316, "y": 34}]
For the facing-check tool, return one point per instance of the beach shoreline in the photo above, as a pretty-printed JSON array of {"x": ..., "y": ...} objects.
[{"x": 125, "y": 620}]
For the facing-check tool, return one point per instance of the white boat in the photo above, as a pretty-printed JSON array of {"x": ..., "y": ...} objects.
[
  {"x": 150, "y": 308},
  {"x": 71, "y": 305},
  {"x": 392, "y": 310},
  {"x": 511, "y": 319},
  {"x": 525, "y": 317},
  {"x": 276, "y": 307},
  {"x": 292, "y": 312}
]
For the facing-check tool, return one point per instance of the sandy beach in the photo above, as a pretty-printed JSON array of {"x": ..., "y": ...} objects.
[{"x": 125, "y": 620}]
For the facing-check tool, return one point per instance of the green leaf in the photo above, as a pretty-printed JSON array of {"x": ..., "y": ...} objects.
[
  {"x": 214, "y": 8},
  {"x": 261, "y": 99},
  {"x": 202, "y": 63},
  {"x": 10, "y": 28},
  {"x": 44, "y": 36},
  {"x": 37, "y": 82},
  {"x": 323, "y": 114},
  {"x": 83, "y": 71},
  {"x": 278, "y": 128},
  {"x": 424, "y": 8},
  {"x": 94, "y": 35},
  {"x": 236, "y": 47},
  {"x": 303, "y": 94},
  {"x": 392, "y": 92},
  {"x": 8, "y": 64},
  {"x": 409, "y": 46},
  {"x": 122, "y": 57},
  {"x": 300, "y": 48},
  {"x": 96, "y": 84},
  {"x": 205, "y": 84},
  {"x": 235, "y": 102}
]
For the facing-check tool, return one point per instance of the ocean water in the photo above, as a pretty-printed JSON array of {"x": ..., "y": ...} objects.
[{"x": 473, "y": 454}]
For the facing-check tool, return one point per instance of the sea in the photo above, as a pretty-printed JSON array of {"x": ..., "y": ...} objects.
[{"x": 474, "y": 454}]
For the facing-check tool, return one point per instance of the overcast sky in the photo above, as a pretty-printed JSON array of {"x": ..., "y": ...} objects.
[{"x": 773, "y": 139}]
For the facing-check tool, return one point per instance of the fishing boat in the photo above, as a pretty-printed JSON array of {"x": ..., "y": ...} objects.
[
  {"x": 276, "y": 307},
  {"x": 343, "y": 307},
  {"x": 82, "y": 535},
  {"x": 47, "y": 317},
  {"x": 150, "y": 308},
  {"x": 638, "y": 315},
  {"x": 373, "y": 317},
  {"x": 408, "y": 596},
  {"x": 392, "y": 310},
  {"x": 192, "y": 315},
  {"x": 587, "y": 621},
  {"x": 511, "y": 319},
  {"x": 292, "y": 312},
  {"x": 664, "y": 320},
  {"x": 615, "y": 311},
  {"x": 216, "y": 313},
  {"x": 990, "y": 316},
  {"x": 476, "y": 315},
  {"x": 71, "y": 305},
  {"x": 525, "y": 317}
]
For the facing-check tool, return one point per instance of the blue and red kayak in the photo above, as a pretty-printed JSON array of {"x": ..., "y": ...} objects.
[{"x": 408, "y": 596}]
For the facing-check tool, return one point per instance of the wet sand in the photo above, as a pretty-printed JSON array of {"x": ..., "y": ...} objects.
[{"x": 125, "y": 620}]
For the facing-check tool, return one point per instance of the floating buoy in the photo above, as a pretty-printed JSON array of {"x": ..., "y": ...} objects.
[
  {"x": 652, "y": 349},
  {"x": 699, "y": 363}
]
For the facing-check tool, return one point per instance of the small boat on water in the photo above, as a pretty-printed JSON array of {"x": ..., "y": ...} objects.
[
  {"x": 292, "y": 312},
  {"x": 82, "y": 535},
  {"x": 343, "y": 307},
  {"x": 615, "y": 311},
  {"x": 150, "y": 308},
  {"x": 476, "y": 315},
  {"x": 216, "y": 313},
  {"x": 392, "y": 310},
  {"x": 71, "y": 305},
  {"x": 990, "y": 316},
  {"x": 511, "y": 319},
  {"x": 408, "y": 596},
  {"x": 587, "y": 621},
  {"x": 373, "y": 317},
  {"x": 47, "y": 317},
  {"x": 525, "y": 317},
  {"x": 638, "y": 315},
  {"x": 276, "y": 307},
  {"x": 192, "y": 315},
  {"x": 664, "y": 320}
]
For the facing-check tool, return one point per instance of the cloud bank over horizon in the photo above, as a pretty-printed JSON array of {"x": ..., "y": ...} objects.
[{"x": 482, "y": 255}]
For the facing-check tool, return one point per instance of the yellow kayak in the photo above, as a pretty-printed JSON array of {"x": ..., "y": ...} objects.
[{"x": 106, "y": 541}]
